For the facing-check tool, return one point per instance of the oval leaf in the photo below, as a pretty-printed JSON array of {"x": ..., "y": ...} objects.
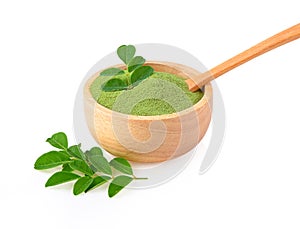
[
  {"x": 126, "y": 52},
  {"x": 61, "y": 177},
  {"x": 112, "y": 72},
  {"x": 67, "y": 168},
  {"x": 118, "y": 184},
  {"x": 136, "y": 62},
  {"x": 114, "y": 85},
  {"x": 98, "y": 181},
  {"x": 121, "y": 165},
  {"x": 94, "y": 151},
  {"x": 65, "y": 153},
  {"x": 81, "y": 166},
  {"x": 75, "y": 151},
  {"x": 100, "y": 164},
  {"x": 51, "y": 160},
  {"x": 59, "y": 140},
  {"x": 81, "y": 185},
  {"x": 140, "y": 74}
]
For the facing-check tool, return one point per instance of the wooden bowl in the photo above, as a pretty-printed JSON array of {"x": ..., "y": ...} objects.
[{"x": 149, "y": 138}]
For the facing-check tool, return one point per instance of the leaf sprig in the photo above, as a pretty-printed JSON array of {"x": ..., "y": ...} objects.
[
  {"x": 90, "y": 169},
  {"x": 135, "y": 72}
]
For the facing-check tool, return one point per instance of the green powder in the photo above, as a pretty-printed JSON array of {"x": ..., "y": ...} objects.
[{"x": 161, "y": 93}]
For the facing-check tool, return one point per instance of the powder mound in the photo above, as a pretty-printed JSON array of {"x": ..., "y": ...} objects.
[{"x": 161, "y": 93}]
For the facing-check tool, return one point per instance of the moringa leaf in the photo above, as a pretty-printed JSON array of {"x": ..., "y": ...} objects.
[
  {"x": 66, "y": 168},
  {"x": 100, "y": 164},
  {"x": 98, "y": 181},
  {"x": 112, "y": 72},
  {"x": 94, "y": 151},
  {"x": 61, "y": 177},
  {"x": 140, "y": 74},
  {"x": 121, "y": 165},
  {"x": 81, "y": 166},
  {"x": 51, "y": 160},
  {"x": 135, "y": 62},
  {"x": 126, "y": 53},
  {"x": 75, "y": 151},
  {"x": 59, "y": 140},
  {"x": 118, "y": 184},
  {"x": 82, "y": 184},
  {"x": 114, "y": 85},
  {"x": 65, "y": 153}
]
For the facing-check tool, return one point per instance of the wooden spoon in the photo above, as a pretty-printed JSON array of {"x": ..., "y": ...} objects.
[{"x": 273, "y": 42}]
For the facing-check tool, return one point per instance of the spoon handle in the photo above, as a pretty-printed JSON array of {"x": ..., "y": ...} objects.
[{"x": 273, "y": 42}]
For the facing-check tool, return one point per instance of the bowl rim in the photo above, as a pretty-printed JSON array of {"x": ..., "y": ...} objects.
[{"x": 207, "y": 96}]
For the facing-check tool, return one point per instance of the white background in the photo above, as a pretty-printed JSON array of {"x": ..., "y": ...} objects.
[{"x": 46, "y": 49}]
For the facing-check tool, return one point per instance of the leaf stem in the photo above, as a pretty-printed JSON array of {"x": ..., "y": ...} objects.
[
  {"x": 127, "y": 73},
  {"x": 139, "y": 178}
]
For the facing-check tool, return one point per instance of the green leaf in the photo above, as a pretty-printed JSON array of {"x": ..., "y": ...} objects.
[
  {"x": 81, "y": 166},
  {"x": 140, "y": 74},
  {"x": 66, "y": 168},
  {"x": 94, "y": 151},
  {"x": 121, "y": 165},
  {"x": 100, "y": 164},
  {"x": 59, "y": 140},
  {"x": 65, "y": 153},
  {"x": 135, "y": 62},
  {"x": 51, "y": 160},
  {"x": 61, "y": 177},
  {"x": 118, "y": 184},
  {"x": 98, "y": 181},
  {"x": 82, "y": 184},
  {"x": 112, "y": 72},
  {"x": 75, "y": 151},
  {"x": 114, "y": 85},
  {"x": 126, "y": 52}
]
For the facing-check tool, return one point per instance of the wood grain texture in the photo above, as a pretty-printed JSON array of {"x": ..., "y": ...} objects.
[
  {"x": 149, "y": 138},
  {"x": 269, "y": 44}
]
